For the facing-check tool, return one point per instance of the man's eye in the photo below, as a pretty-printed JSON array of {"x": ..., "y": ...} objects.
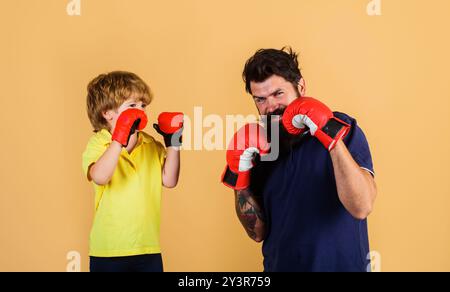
[
  {"x": 280, "y": 93},
  {"x": 259, "y": 100}
]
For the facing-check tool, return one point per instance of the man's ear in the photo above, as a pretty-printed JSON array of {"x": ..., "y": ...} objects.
[{"x": 302, "y": 87}]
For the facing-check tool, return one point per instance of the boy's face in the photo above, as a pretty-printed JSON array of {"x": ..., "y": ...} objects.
[{"x": 112, "y": 115}]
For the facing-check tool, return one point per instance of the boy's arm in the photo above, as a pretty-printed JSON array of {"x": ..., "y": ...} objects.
[
  {"x": 128, "y": 122},
  {"x": 102, "y": 171},
  {"x": 171, "y": 169},
  {"x": 170, "y": 126}
]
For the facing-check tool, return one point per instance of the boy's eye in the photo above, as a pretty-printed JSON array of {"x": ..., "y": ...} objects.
[
  {"x": 133, "y": 105},
  {"x": 144, "y": 105}
]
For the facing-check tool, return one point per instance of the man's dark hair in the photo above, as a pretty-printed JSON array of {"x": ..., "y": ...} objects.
[{"x": 268, "y": 62}]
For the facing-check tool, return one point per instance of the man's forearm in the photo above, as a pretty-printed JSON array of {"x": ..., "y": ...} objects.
[
  {"x": 356, "y": 187},
  {"x": 251, "y": 215}
]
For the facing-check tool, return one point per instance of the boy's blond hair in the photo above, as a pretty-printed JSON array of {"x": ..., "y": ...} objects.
[{"x": 109, "y": 91}]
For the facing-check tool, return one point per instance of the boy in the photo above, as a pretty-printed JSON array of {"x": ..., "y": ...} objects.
[{"x": 128, "y": 169}]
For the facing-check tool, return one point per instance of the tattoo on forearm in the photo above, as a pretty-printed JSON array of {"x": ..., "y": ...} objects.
[{"x": 249, "y": 212}]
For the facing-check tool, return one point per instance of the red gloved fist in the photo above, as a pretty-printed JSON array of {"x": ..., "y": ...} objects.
[
  {"x": 246, "y": 144},
  {"x": 128, "y": 122},
  {"x": 170, "y": 126},
  {"x": 307, "y": 112}
]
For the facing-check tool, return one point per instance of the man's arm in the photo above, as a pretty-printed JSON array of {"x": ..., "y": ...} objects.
[
  {"x": 356, "y": 187},
  {"x": 251, "y": 215}
]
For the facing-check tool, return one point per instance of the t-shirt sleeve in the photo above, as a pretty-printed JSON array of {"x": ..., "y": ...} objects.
[
  {"x": 91, "y": 154},
  {"x": 358, "y": 147}
]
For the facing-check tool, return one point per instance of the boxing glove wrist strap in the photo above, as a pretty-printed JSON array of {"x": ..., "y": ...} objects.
[{"x": 238, "y": 181}]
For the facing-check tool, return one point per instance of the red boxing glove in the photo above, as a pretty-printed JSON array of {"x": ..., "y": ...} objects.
[
  {"x": 128, "y": 122},
  {"x": 245, "y": 145},
  {"x": 307, "y": 112},
  {"x": 170, "y": 126}
]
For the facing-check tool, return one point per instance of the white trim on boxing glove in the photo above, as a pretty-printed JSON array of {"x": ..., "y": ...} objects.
[
  {"x": 246, "y": 159},
  {"x": 303, "y": 121}
]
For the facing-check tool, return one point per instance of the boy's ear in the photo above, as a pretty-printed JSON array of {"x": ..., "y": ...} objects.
[{"x": 108, "y": 115}]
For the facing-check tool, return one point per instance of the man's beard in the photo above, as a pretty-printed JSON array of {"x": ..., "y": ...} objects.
[{"x": 286, "y": 140}]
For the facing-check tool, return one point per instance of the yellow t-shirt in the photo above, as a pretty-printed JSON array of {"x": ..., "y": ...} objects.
[{"x": 127, "y": 210}]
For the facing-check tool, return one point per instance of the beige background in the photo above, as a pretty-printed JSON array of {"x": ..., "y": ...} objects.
[{"x": 390, "y": 72}]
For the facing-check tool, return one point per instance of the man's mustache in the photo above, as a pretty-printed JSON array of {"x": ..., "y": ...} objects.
[
  {"x": 274, "y": 127},
  {"x": 278, "y": 112}
]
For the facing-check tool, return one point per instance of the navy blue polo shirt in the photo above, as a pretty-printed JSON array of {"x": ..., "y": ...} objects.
[{"x": 308, "y": 228}]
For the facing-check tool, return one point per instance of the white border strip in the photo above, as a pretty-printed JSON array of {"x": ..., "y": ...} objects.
[{"x": 369, "y": 171}]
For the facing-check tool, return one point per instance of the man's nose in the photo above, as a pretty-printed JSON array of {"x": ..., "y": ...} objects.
[{"x": 273, "y": 106}]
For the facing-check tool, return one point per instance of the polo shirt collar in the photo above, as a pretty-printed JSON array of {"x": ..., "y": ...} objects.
[{"x": 105, "y": 138}]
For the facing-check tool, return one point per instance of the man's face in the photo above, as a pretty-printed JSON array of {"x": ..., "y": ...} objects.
[{"x": 273, "y": 95}]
